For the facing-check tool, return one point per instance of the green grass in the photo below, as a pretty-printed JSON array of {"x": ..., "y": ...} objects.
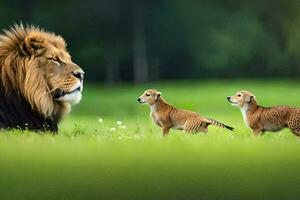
[{"x": 90, "y": 160}]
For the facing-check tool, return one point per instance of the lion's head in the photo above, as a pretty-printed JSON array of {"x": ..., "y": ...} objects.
[{"x": 36, "y": 65}]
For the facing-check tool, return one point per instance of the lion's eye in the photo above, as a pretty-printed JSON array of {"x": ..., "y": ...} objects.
[
  {"x": 55, "y": 60},
  {"x": 239, "y": 95},
  {"x": 147, "y": 95}
]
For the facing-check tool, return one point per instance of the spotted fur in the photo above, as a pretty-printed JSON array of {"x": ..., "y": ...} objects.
[
  {"x": 261, "y": 119},
  {"x": 167, "y": 116}
]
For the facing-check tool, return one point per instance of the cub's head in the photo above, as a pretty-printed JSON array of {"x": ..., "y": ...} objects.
[
  {"x": 149, "y": 97},
  {"x": 36, "y": 64},
  {"x": 242, "y": 98}
]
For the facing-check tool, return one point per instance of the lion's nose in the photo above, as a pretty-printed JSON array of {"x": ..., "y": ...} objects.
[
  {"x": 228, "y": 98},
  {"x": 78, "y": 74}
]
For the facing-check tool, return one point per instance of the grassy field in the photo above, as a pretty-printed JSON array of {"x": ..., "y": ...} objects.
[{"x": 129, "y": 159}]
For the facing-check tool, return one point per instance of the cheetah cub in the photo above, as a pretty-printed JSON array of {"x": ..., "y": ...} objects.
[
  {"x": 167, "y": 116},
  {"x": 261, "y": 119}
]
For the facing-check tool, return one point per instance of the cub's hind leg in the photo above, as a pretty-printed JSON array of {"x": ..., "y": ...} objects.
[
  {"x": 294, "y": 123},
  {"x": 295, "y": 128},
  {"x": 194, "y": 126},
  {"x": 204, "y": 127},
  {"x": 296, "y": 132}
]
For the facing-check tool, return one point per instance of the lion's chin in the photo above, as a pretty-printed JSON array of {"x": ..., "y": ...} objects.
[{"x": 72, "y": 98}]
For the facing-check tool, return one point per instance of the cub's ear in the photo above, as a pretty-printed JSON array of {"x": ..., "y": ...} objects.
[
  {"x": 32, "y": 45},
  {"x": 249, "y": 98},
  {"x": 158, "y": 95}
]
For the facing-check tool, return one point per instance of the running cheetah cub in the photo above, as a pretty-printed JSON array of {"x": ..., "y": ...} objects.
[
  {"x": 167, "y": 116},
  {"x": 261, "y": 119}
]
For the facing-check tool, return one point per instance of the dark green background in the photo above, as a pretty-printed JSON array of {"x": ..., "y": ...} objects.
[{"x": 128, "y": 40}]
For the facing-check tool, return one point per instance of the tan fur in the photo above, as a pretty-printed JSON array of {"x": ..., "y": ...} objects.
[
  {"x": 167, "y": 116},
  {"x": 31, "y": 65},
  {"x": 261, "y": 119}
]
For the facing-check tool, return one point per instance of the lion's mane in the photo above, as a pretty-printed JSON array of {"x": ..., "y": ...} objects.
[{"x": 25, "y": 98}]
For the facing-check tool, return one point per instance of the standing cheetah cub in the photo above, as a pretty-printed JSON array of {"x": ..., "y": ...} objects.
[
  {"x": 166, "y": 116},
  {"x": 261, "y": 119}
]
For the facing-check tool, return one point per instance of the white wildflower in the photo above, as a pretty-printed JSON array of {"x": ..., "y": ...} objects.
[
  {"x": 119, "y": 123},
  {"x": 100, "y": 120},
  {"x": 136, "y": 136},
  {"x": 123, "y": 127},
  {"x": 113, "y": 129}
]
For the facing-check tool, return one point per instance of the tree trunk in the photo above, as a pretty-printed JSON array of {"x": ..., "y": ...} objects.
[
  {"x": 140, "y": 61},
  {"x": 112, "y": 68}
]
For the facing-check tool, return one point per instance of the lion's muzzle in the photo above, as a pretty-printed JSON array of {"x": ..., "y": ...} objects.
[
  {"x": 72, "y": 94},
  {"x": 57, "y": 93},
  {"x": 78, "y": 74}
]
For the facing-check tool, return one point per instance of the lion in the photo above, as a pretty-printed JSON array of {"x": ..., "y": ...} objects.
[{"x": 38, "y": 80}]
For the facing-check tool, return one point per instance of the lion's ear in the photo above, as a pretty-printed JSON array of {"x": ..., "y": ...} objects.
[{"x": 32, "y": 45}]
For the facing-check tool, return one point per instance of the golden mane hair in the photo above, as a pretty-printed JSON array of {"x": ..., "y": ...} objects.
[{"x": 19, "y": 69}]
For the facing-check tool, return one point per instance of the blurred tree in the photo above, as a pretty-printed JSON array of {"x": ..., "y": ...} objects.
[
  {"x": 140, "y": 60},
  {"x": 140, "y": 40}
]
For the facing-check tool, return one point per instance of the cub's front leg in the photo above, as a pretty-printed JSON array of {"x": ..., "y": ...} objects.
[
  {"x": 166, "y": 126},
  {"x": 166, "y": 130},
  {"x": 155, "y": 118},
  {"x": 256, "y": 127},
  {"x": 257, "y": 131}
]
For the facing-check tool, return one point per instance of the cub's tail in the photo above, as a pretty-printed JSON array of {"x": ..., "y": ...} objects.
[{"x": 219, "y": 124}]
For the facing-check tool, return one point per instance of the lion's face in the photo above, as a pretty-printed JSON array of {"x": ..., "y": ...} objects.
[
  {"x": 36, "y": 64},
  {"x": 64, "y": 77}
]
